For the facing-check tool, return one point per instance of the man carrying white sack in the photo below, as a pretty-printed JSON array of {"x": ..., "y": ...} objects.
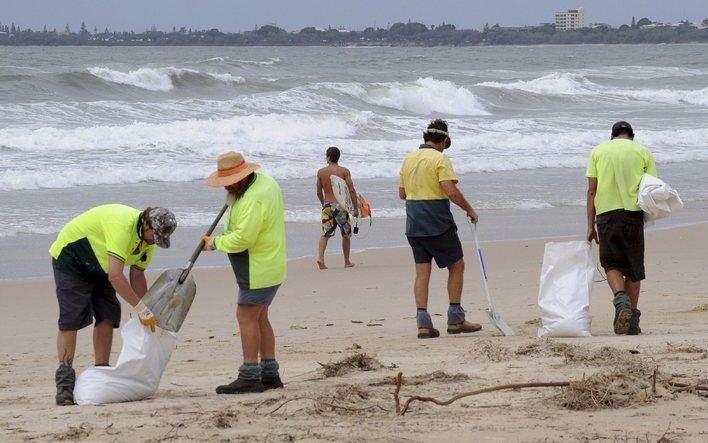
[
  {"x": 614, "y": 172},
  {"x": 254, "y": 239},
  {"x": 88, "y": 258}
]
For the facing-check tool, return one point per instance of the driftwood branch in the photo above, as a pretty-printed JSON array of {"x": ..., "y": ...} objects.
[
  {"x": 687, "y": 387},
  {"x": 482, "y": 391},
  {"x": 399, "y": 381}
]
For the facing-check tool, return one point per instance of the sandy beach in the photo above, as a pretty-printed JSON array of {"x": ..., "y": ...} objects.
[{"x": 327, "y": 316}]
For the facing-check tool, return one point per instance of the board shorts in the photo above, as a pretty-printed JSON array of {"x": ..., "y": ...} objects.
[
  {"x": 445, "y": 248},
  {"x": 261, "y": 296},
  {"x": 82, "y": 300},
  {"x": 333, "y": 216},
  {"x": 621, "y": 237}
]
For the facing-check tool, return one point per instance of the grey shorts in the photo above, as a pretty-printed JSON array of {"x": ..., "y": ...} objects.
[
  {"x": 261, "y": 296},
  {"x": 80, "y": 301}
]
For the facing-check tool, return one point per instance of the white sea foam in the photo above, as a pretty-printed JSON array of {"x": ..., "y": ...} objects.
[
  {"x": 228, "y": 78},
  {"x": 290, "y": 146},
  {"x": 574, "y": 84},
  {"x": 157, "y": 79},
  {"x": 424, "y": 96},
  {"x": 557, "y": 83},
  {"x": 144, "y": 78}
]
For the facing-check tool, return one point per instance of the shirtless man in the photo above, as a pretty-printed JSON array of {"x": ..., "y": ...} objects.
[{"x": 332, "y": 214}]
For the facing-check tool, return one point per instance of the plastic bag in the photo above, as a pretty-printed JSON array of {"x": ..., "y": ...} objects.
[
  {"x": 566, "y": 285},
  {"x": 137, "y": 374}
]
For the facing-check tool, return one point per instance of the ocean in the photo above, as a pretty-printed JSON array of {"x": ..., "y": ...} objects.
[{"x": 82, "y": 126}]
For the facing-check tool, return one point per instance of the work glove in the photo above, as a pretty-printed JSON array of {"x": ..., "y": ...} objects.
[
  {"x": 209, "y": 244},
  {"x": 147, "y": 318}
]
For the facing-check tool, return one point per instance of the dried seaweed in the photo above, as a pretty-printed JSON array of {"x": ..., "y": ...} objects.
[{"x": 358, "y": 361}]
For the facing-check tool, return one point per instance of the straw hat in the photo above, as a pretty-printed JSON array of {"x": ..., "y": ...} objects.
[{"x": 231, "y": 168}]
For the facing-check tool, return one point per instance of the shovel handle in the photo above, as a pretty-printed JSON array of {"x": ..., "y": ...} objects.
[{"x": 200, "y": 246}]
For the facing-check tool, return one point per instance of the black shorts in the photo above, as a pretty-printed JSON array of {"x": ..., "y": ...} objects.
[
  {"x": 81, "y": 300},
  {"x": 445, "y": 248},
  {"x": 621, "y": 235}
]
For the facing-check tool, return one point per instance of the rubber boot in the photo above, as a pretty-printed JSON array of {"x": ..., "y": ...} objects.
[{"x": 65, "y": 378}]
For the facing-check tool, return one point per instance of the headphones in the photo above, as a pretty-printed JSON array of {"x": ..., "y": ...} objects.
[{"x": 448, "y": 141}]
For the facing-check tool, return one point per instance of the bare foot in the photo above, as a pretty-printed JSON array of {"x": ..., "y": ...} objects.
[
  {"x": 321, "y": 264},
  {"x": 348, "y": 265}
]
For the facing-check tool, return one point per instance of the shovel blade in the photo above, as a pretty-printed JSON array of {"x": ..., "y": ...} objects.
[
  {"x": 169, "y": 300},
  {"x": 499, "y": 322}
]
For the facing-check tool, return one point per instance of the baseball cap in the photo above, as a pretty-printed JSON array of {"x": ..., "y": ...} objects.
[
  {"x": 622, "y": 126},
  {"x": 163, "y": 224}
]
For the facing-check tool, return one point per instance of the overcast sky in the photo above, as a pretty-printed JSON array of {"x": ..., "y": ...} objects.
[{"x": 232, "y": 15}]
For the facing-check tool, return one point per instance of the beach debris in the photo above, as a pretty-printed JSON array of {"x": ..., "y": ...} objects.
[
  {"x": 344, "y": 400},
  {"x": 608, "y": 356},
  {"x": 700, "y": 308},
  {"x": 224, "y": 419},
  {"x": 374, "y": 324},
  {"x": 514, "y": 386},
  {"x": 297, "y": 327},
  {"x": 612, "y": 390},
  {"x": 357, "y": 321},
  {"x": 490, "y": 350},
  {"x": 430, "y": 377},
  {"x": 354, "y": 346},
  {"x": 688, "y": 348},
  {"x": 615, "y": 389},
  {"x": 533, "y": 322},
  {"x": 75, "y": 432},
  {"x": 358, "y": 361}
]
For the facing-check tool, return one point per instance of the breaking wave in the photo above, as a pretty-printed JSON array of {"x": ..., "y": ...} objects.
[
  {"x": 424, "y": 96},
  {"x": 159, "y": 79}
]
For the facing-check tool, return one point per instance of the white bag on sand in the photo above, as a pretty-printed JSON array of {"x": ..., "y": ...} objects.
[
  {"x": 566, "y": 285},
  {"x": 137, "y": 374}
]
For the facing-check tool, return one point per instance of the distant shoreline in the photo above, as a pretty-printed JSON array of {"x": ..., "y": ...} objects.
[
  {"x": 409, "y": 34},
  {"x": 370, "y": 46}
]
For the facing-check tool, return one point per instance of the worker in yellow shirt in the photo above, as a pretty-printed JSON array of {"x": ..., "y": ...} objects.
[
  {"x": 88, "y": 258},
  {"x": 254, "y": 239},
  {"x": 614, "y": 172},
  {"x": 428, "y": 184}
]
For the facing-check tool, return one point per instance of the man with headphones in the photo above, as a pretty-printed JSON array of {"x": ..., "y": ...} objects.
[{"x": 428, "y": 183}]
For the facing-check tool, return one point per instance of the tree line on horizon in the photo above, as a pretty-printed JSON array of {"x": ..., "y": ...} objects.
[{"x": 398, "y": 34}]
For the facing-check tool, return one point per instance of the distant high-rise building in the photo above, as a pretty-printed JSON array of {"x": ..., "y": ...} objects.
[{"x": 571, "y": 19}]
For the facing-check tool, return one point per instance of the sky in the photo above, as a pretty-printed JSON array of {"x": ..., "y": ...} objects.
[{"x": 292, "y": 15}]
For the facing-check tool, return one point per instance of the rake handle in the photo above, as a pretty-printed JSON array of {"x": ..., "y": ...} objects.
[{"x": 200, "y": 246}]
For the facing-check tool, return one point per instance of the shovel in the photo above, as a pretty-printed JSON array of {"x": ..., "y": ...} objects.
[
  {"x": 491, "y": 312},
  {"x": 172, "y": 294}
]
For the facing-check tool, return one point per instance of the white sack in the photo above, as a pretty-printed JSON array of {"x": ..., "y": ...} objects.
[
  {"x": 137, "y": 374},
  {"x": 566, "y": 285},
  {"x": 657, "y": 198}
]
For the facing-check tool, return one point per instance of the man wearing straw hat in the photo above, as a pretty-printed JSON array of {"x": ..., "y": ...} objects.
[{"x": 254, "y": 239}]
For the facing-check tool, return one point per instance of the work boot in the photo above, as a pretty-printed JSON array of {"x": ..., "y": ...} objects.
[
  {"x": 241, "y": 386},
  {"x": 428, "y": 333},
  {"x": 425, "y": 324},
  {"x": 272, "y": 382},
  {"x": 634, "y": 328},
  {"x": 65, "y": 378},
  {"x": 463, "y": 327},
  {"x": 623, "y": 312}
]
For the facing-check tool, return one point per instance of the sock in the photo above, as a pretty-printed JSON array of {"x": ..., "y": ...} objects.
[
  {"x": 249, "y": 371},
  {"x": 621, "y": 299},
  {"x": 455, "y": 314},
  {"x": 269, "y": 368},
  {"x": 423, "y": 319}
]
